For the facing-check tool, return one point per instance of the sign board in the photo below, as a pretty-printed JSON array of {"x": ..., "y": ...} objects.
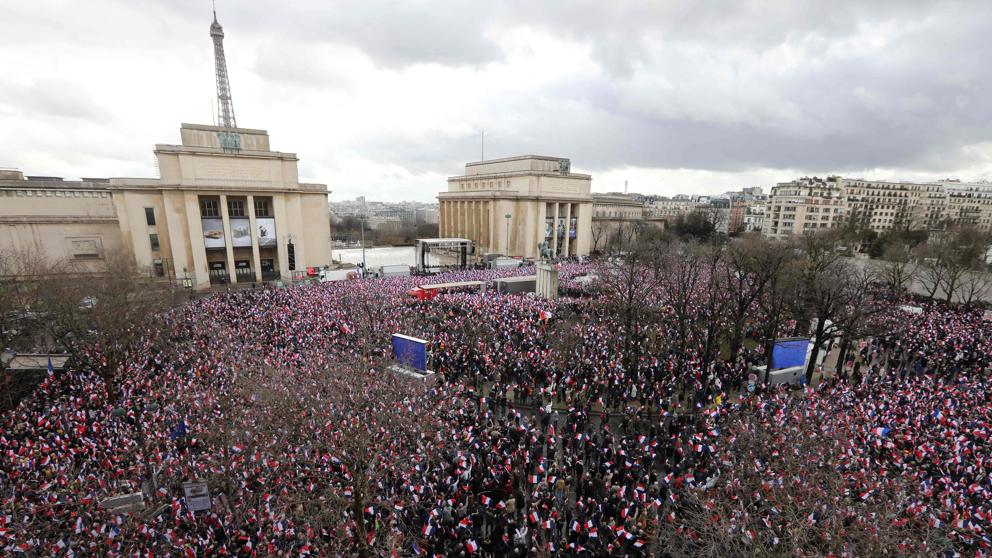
[
  {"x": 197, "y": 496},
  {"x": 410, "y": 351},
  {"x": 789, "y": 352},
  {"x": 124, "y": 503}
]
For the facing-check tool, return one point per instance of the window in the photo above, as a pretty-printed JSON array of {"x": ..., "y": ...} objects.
[
  {"x": 153, "y": 240},
  {"x": 150, "y": 215},
  {"x": 262, "y": 208},
  {"x": 208, "y": 208},
  {"x": 235, "y": 208}
]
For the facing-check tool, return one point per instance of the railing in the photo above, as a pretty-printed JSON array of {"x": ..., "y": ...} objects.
[
  {"x": 244, "y": 274},
  {"x": 219, "y": 277}
]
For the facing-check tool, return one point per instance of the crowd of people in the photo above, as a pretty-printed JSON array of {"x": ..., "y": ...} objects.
[{"x": 539, "y": 437}]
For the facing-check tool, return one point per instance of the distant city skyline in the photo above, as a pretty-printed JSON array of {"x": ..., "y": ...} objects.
[{"x": 692, "y": 98}]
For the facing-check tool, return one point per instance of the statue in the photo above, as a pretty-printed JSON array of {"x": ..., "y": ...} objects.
[{"x": 545, "y": 252}]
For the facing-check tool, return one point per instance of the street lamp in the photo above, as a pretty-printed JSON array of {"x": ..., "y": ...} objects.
[
  {"x": 120, "y": 412},
  {"x": 363, "y": 243},
  {"x": 507, "y": 233}
]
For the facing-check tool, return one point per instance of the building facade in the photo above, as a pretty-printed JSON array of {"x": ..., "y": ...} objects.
[
  {"x": 510, "y": 206},
  {"x": 804, "y": 205},
  {"x": 882, "y": 206},
  {"x": 215, "y": 215},
  {"x": 968, "y": 204}
]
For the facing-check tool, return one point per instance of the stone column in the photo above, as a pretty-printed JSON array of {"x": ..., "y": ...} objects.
[
  {"x": 554, "y": 230},
  {"x": 228, "y": 241},
  {"x": 568, "y": 219},
  {"x": 256, "y": 259}
]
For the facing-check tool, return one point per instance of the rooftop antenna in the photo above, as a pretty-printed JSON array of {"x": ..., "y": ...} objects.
[
  {"x": 625, "y": 187},
  {"x": 213, "y": 112},
  {"x": 483, "y": 145}
]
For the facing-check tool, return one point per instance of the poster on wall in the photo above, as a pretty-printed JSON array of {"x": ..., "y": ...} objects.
[
  {"x": 571, "y": 227},
  {"x": 547, "y": 227},
  {"x": 240, "y": 232},
  {"x": 266, "y": 231},
  {"x": 213, "y": 233}
]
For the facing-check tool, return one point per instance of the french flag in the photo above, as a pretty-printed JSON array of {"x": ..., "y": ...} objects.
[
  {"x": 486, "y": 500},
  {"x": 533, "y": 479},
  {"x": 548, "y": 524},
  {"x": 576, "y": 527},
  {"x": 471, "y": 546},
  {"x": 881, "y": 431},
  {"x": 534, "y": 518},
  {"x": 428, "y": 530}
]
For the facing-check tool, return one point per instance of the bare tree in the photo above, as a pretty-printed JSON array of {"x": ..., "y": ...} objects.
[
  {"x": 896, "y": 269},
  {"x": 827, "y": 289},
  {"x": 948, "y": 257},
  {"x": 681, "y": 279},
  {"x": 750, "y": 265},
  {"x": 778, "y": 493},
  {"x": 626, "y": 287},
  {"x": 975, "y": 286},
  {"x": 104, "y": 314},
  {"x": 858, "y": 319}
]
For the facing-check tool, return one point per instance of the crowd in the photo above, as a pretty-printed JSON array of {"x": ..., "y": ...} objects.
[{"x": 538, "y": 438}]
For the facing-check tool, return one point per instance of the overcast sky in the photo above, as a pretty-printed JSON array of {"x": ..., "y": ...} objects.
[{"x": 387, "y": 98}]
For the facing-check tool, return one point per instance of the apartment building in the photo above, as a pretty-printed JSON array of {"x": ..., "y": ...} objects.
[{"x": 803, "y": 205}]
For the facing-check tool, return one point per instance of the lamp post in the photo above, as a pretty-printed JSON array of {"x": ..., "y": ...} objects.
[
  {"x": 120, "y": 412},
  {"x": 507, "y": 233},
  {"x": 364, "y": 217}
]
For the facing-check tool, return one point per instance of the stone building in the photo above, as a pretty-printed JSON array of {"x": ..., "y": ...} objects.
[
  {"x": 215, "y": 215},
  {"x": 224, "y": 209},
  {"x": 510, "y": 206},
  {"x": 804, "y": 205}
]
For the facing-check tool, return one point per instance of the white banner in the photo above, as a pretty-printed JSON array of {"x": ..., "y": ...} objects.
[{"x": 213, "y": 233}]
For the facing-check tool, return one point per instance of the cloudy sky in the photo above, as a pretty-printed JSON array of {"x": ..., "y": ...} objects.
[{"x": 386, "y": 99}]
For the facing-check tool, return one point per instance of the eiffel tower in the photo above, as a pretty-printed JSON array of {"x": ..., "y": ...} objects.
[{"x": 229, "y": 139}]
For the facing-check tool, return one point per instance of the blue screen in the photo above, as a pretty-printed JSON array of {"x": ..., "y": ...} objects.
[
  {"x": 789, "y": 352},
  {"x": 410, "y": 351}
]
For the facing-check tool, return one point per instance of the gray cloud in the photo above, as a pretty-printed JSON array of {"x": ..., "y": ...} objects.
[
  {"x": 720, "y": 85},
  {"x": 53, "y": 98}
]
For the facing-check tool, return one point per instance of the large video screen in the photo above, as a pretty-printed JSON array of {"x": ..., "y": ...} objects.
[
  {"x": 789, "y": 352},
  {"x": 410, "y": 351}
]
